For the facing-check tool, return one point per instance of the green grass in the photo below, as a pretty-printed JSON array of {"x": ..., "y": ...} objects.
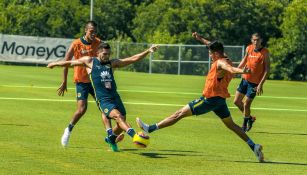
[{"x": 31, "y": 130}]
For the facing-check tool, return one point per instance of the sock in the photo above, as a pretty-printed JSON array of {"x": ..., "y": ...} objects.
[
  {"x": 245, "y": 121},
  {"x": 130, "y": 132},
  {"x": 251, "y": 144},
  {"x": 109, "y": 132},
  {"x": 152, "y": 128},
  {"x": 70, "y": 127}
]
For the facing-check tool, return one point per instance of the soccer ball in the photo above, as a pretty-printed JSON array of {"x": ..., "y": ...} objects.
[{"x": 141, "y": 140}]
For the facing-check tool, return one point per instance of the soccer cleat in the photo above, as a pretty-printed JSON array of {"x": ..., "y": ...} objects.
[
  {"x": 111, "y": 141},
  {"x": 250, "y": 122},
  {"x": 244, "y": 128},
  {"x": 142, "y": 125},
  {"x": 65, "y": 137},
  {"x": 258, "y": 152}
]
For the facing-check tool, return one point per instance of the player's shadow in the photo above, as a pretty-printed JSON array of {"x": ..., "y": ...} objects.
[
  {"x": 165, "y": 153},
  {"x": 274, "y": 162},
  {"x": 280, "y": 133},
  {"x": 13, "y": 124}
]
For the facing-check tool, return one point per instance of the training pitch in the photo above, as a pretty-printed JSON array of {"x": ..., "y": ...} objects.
[{"x": 33, "y": 118}]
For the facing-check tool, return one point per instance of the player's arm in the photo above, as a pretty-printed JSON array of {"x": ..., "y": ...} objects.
[
  {"x": 222, "y": 64},
  {"x": 126, "y": 61},
  {"x": 84, "y": 61},
  {"x": 244, "y": 60},
  {"x": 68, "y": 57},
  {"x": 259, "y": 88},
  {"x": 200, "y": 38}
]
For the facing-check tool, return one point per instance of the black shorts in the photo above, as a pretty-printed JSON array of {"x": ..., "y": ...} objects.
[
  {"x": 107, "y": 105},
  {"x": 247, "y": 88},
  {"x": 83, "y": 89},
  {"x": 204, "y": 105}
]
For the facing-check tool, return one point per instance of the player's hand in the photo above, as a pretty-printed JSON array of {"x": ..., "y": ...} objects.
[
  {"x": 259, "y": 90},
  {"x": 246, "y": 70},
  {"x": 153, "y": 48},
  {"x": 196, "y": 36},
  {"x": 62, "y": 88}
]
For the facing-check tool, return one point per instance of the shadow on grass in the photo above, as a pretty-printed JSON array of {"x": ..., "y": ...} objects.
[
  {"x": 164, "y": 153},
  {"x": 80, "y": 147},
  {"x": 281, "y": 133},
  {"x": 13, "y": 124},
  {"x": 274, "y": 162}
]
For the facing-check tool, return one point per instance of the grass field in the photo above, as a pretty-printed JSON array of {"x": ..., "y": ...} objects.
[{"x": 33, "y": 117}]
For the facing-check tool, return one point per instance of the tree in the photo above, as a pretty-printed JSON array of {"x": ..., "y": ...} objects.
[
  {"x": 232, "y": 21},
  {"x": 288, "y": 53},
  {"x": 115, "y": 19}
]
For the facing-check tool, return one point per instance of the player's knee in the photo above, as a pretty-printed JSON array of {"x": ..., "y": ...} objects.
[
  {"x": 123, "y": 117},
  {"x": 237, "y": 102},
  {"x": 119, "y": 117},
  {"x": 247, "y": 105},
  {"x": 178, "y": 115}
]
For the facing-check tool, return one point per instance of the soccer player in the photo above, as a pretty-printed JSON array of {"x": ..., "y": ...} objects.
[
  {"x": 83, "y": 46},
  {"x": 100, "y": 70},
  {"x": 257, "y": 60},
  {"x": 213, "y": 97}
]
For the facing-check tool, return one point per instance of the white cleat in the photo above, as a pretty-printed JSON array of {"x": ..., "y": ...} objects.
[
  {"x": 258, "y": 152},
  {"x": 65, "y": 137},
  {"x": 142, "y": 125}
]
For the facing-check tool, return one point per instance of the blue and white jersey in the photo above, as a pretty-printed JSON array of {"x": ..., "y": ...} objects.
[{"x": 102, "y": 79}]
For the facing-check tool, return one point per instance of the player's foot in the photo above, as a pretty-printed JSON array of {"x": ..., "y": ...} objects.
[
  {"x": 244, "y": 128},
  {"x": 111, "y": 141},
  {"x": 142, "y": 125},
  {"x": 258, "y": 152},
  {"x": 250, "y": 122},
  {"x": 120, "y": 137},
  {"x": 65, "y": 137}
]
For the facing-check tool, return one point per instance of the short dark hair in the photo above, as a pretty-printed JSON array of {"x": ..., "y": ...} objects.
[
  {"x": 216, "y": 46},
  {"x": 257, "y": 35},
  {"x": 92, "y": 23},
  {"x": 103, "y": 45}
]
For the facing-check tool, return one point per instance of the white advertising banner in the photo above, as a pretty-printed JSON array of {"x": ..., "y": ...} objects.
[{"x": 28, "y": 49}]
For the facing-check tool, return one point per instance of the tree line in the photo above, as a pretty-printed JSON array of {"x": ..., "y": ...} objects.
[{"x": 283, "y": 24}]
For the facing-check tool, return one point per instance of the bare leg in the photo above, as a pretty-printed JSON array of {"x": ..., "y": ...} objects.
[
  {"x": 247, "y": 106},
  {"x": 81, "y": 109},
  {"x": 238, "y": 101},
  {"x": 120, "y": 119},
  {"x": 175, "y": 117},
  {"x": 235, "y": 128}
]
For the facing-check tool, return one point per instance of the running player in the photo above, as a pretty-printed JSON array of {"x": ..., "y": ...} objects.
[
  {"x": 257, "y": 60},
  {"x": 101, "y": 76},
  {"x": 213, "y": 98}
]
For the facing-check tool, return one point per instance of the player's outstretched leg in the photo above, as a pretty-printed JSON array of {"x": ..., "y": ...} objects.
[{"x": 142, "y": 125}]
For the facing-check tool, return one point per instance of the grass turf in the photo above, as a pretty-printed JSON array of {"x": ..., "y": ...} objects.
[{"x": 33, "y": 118}]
